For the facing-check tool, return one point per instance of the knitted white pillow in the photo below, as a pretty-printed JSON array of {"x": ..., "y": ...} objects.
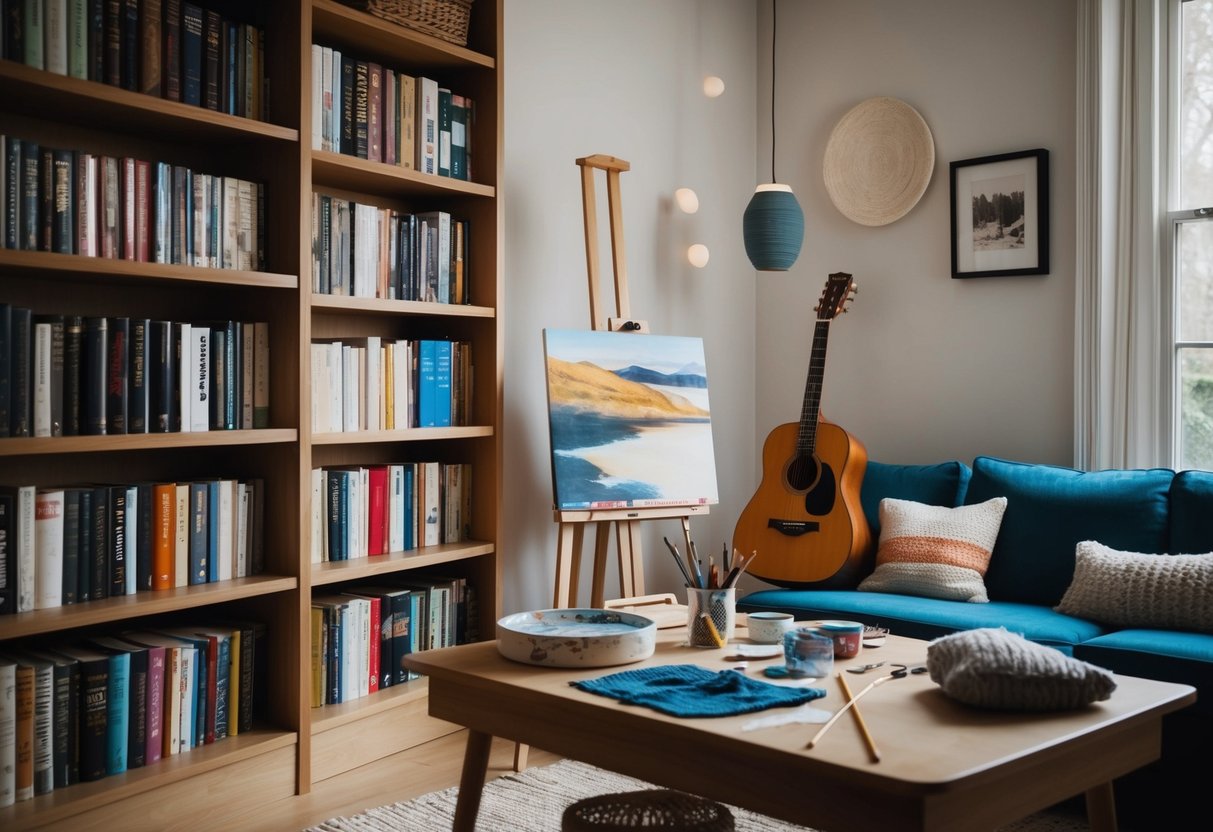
[
  {"x": 935, "y": 551},
  {"x": 1129, "y": 589},
  {"x": 992, "y": 668}
]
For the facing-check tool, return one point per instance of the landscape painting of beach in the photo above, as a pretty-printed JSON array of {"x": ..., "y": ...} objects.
[{"x": 630, "y": 421}]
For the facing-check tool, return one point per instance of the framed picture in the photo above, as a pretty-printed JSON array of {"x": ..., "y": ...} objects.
[
  {"x": 629, "y": 418},
  {"x": 1000, "y": 215}
]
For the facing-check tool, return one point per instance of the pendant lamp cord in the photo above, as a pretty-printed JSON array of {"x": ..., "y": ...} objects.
[{"x": 774, "y": 10}]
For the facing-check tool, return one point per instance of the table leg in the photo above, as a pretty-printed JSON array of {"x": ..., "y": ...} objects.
[
  {"x": 1101, "y": 808},
  {"x": 471, "y": 783}
]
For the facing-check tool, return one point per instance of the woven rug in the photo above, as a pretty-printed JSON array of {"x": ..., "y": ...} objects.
[{"x": 534, "y": 800}]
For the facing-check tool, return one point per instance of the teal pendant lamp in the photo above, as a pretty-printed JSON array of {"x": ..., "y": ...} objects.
[{"x": 773, "y": 224}]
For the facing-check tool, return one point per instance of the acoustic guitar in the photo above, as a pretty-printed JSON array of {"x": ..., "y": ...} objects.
[{"x": 805, "y": 519}]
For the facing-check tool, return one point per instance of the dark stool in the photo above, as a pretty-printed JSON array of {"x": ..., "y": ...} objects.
[{"x": 656, "y": 809}]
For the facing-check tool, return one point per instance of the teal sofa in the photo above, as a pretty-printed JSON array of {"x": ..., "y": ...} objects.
[{"x": 1049, "y": 510}]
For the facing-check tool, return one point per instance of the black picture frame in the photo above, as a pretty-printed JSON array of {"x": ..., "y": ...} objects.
[{"x": 1000, "y": 215}]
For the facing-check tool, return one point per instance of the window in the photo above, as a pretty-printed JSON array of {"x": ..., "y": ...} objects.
[{"x": 1191, "y": 236}]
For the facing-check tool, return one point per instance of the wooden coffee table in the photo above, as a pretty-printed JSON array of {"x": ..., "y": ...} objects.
[{"x": 944, "y": 766}]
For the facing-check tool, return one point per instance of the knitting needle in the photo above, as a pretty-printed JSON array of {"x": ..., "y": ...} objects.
[
  {"x": 863, "y": 726},
  {"x": 844, "y": 708}
]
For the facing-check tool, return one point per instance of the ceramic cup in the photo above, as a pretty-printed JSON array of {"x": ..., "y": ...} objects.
[
  {"x": 846, "y": 635},
  {"x": 769, "y": 627},
  {"x": 720, "y": 606}
]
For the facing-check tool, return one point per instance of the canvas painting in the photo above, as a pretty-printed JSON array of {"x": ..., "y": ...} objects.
[{"x": 630, "y": 420}]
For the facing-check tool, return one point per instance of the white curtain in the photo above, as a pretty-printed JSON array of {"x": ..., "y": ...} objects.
[{"x": 1120, "y": 356}]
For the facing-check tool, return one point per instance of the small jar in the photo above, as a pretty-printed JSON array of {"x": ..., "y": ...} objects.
[{"x": 808, "y": 654}]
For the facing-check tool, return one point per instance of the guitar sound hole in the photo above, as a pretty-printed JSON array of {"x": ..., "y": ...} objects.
[{"x": 802, "y": 473}]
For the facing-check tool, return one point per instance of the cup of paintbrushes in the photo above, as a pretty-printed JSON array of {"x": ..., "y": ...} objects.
[{"x": 711, "y": 616}]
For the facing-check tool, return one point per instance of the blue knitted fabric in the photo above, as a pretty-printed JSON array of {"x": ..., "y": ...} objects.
[{"x": 689, "y": 691}]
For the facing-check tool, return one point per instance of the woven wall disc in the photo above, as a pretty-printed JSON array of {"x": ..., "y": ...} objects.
[{"x": 878, "y": 161}]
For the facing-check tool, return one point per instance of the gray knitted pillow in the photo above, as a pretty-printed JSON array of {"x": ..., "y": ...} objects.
[
  {"x": 991, "y": 668},
  {"x": 1128, "y": 589}
]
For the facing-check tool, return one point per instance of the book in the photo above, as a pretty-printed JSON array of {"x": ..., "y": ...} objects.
[
  {"x": 374, "y": 110},
  {"x": 6, "y": 345},
  {"x": 8, "y": 550},
  {"x": 21, "y": 356},
  {"x": 164, "y": 498},
  {"x": 426, "y": 113},
  {"x": 143, "y": 521},
  {"x": 171, "y": 40},
  {"x": 459, "y": 115},
  {"x": 212, "y": 75},
  {"x": 85, "y": 553},
  {"x": 202, "y": 687},
  {"x": 444, "y": 131},
  {"x": 71, "y": 544},
  {"x": 183, "y": 350},
  {"x": 33, "y": 36},
  {"x": 93, "y": 376},
  {"x": 99, "y": 559},
  {"x": 117, "y": 374},
  {"x": 407, "y": 94},
  {"x": 64, "y": 717},
  {"x": 30, "y": 182},
  {"x": 200, "y": 378},
  {"x": 39, "y": 673},
  {"x": 48, "y": 543},
  {"x": 161, "y": 368},
  {"x": 8, "y": 732},
  {"x": 24, "y": 733},
  {"x": 347, "y": 144},
  {"x": 151, "y": 55},
  {"x": 191, "y": 54},
  {"x": 55, "y": 36},
  {"x": 181, "y": 540},
  {"x": 24, "y": 556},
  {"x": 73, "y": 362},
  {"x": 361, "y": 105},
  {"x": 77, "y": 38},
  {"x": 137, "y": 377},
  {"x": 63, "y": 201},
  {"x": 48, "y": 375},
  {"x": 93, "y": 725},
  {"x": 129, "y": 49},
  {"x": 117, "y": 553},
  {"x": 199, "y": 526}
]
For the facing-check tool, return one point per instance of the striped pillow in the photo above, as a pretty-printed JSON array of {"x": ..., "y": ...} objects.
[{"x": 934, "y": 551}]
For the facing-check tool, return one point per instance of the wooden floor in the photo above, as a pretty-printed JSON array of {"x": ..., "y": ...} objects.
[{"x": 431, "y": 767}]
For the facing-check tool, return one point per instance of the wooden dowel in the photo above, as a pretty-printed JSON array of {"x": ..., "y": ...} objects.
[
  {"x": 863, "y": 726},
  {"x": 850, "y": 703}
]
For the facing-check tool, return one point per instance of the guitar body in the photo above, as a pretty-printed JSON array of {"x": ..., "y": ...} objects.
[{"x": 805, "y": 520}]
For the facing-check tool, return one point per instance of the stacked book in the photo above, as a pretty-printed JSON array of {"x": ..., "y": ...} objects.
[
  {"x": 165, "y": 48},
  {"x": 364, "y": 109},
  {"x": 375, "y": 383},
  {"x": 69, "y": 375},
  {"x": 359, "y": 511},
  {"x": 122, "y": 208},
  {"x": 67, "y": 545},
  {"x": 80, "y": 711},
  {"x": 359, "y": 638},
  {"x": 371, "y": 252}
]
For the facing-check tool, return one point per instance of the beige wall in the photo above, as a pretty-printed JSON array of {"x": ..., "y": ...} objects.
[
  {"x": 625, "y": 79},
  {"x": 924, "y": 368}
]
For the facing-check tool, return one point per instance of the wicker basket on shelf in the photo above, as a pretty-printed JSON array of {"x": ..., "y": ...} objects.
[{"x": 445, "y": 19}]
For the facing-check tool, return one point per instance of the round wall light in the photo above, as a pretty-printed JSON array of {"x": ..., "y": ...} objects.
[
  {"x": 697, "y": 255},
  {"x": 687, "y": 200},
  {"x": 713, "y": 86}
]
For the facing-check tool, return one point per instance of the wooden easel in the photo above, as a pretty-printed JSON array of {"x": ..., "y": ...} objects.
[{"x": 626, "y": 521}]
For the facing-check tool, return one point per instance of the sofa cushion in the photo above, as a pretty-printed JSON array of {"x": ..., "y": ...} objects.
[
  {"x": 925, "y": 618},
  {"x": 991, "y": 668},
  {"x": 936, "y": 485},
  {"x": 1166, "y": 655},
  {"x": 935, "y": 551},
  {"x": 1050, "y": 509},
  {"x": 1191, "y": 512},
  {"x": 1129, "y": 589}
]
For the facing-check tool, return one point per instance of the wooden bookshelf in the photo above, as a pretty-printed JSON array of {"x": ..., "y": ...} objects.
[{"x": 292, "y": 744}]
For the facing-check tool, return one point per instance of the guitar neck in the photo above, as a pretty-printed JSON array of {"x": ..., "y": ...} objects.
[{"x": 806, "y": 437}]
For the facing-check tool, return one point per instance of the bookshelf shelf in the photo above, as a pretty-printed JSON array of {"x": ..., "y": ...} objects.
[
  {"x": 63, "y": 804},
  {"x": 335, "y": 716},
  {"x": 30, "y": 446},
  {"x": 377, "y": 306},
  {"x": 336, "y": 170},
  {"x": 370, "y": 437},
  {"x": 35, "y": 92},
  {"x": 331, "y": 20},
  {"x": 47, "y": 265},
  {"x": 358, "y": 568},
  {"x": 124, "y": 607}
]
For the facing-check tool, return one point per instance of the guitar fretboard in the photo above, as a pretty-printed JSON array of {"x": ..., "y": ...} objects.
[{"x": 806, "y": 436}]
